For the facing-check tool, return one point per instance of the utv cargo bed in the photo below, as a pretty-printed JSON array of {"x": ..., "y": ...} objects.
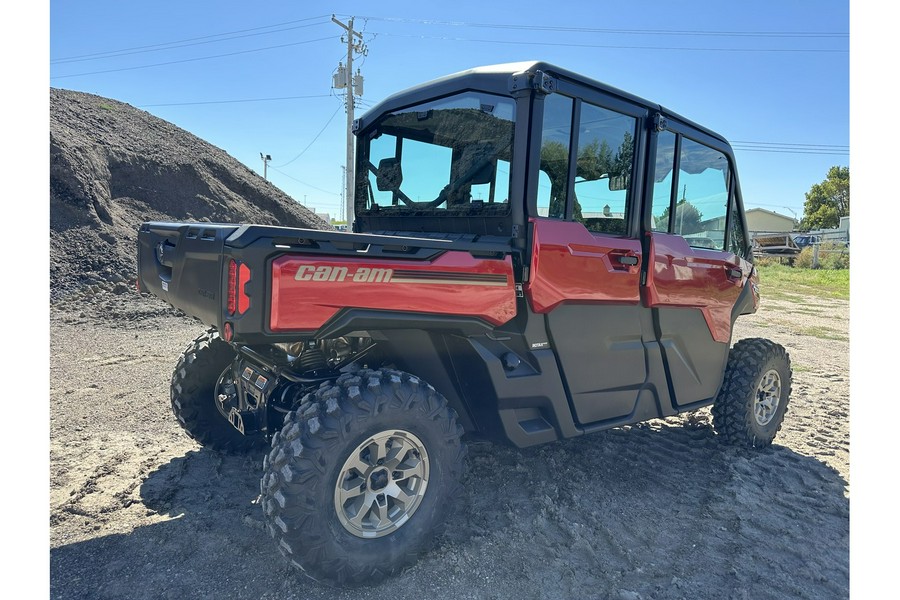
[{"x": 270, "y": 284}]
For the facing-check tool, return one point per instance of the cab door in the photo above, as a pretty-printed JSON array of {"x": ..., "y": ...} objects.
[
  {"x": 695, "y": 272},
  {"x": 586, "y": 254}
]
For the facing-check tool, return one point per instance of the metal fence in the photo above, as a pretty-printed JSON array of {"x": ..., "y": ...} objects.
[{"x": 818, "y": 250}]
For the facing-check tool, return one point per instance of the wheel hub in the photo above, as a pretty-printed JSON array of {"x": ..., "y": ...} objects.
[
  {"x": 379, "y": 480},
  {"x": 381, "y": 484},
  {"x": 768, "y": 396}
]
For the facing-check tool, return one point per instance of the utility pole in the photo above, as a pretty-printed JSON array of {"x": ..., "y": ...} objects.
[
  {"x": 344, "y": 79},
  {"x": 343, "y": 191},
  {"x": 265, "y": 158}
]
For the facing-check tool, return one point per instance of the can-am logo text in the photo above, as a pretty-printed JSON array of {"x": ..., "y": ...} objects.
[{"x": 360, "y": 275}]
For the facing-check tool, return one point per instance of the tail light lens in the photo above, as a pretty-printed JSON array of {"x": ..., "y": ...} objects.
[
  {"x": 238, "y": 276},
  {"x": 243, "y": 300},
  {"x": 232, "y": 287}
]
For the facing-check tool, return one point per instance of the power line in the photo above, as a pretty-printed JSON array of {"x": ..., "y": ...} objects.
[
  {"x": 613, "y": 46},
  {"x": 303, "y": 182},
  {"x": 655, "y": 32},
  {"x": 174, "y": 46},
  {"x": 790, "y": 150},
  {"x": 204, "y": 37},
  {"x": 783, "y": 147},
  {"x": 778, "y": 205},
  {"x": 330, "y": 119},
  {"x": 186, "y": 60},
  {"x": 791, "y": 145},
  {"x": 232, "y": 101}
]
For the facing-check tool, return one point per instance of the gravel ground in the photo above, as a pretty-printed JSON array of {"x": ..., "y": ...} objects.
[{"x": 658, "y": 510}]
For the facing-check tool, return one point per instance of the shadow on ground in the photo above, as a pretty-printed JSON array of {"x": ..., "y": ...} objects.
[{"x": 651, "y": 511}]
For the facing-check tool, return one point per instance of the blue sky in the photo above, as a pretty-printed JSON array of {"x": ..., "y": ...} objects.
[{"x": 771, "y": 76}]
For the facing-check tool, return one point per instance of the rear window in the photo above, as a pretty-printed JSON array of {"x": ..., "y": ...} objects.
[{"x": 448, "y": 156}]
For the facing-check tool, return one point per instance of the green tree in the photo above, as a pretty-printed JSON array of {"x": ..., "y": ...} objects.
[
  {"x": 687, "y": 219},
  {"x": 624, "y": 157},
  {"x": 594, "y": 160},
  {"x": 555, "y": 163},
  {"x": 828, "y": 201}
]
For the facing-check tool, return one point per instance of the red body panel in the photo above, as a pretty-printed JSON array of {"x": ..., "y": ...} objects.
[
  {"x": 570, "y": 264},
  {"x": 307, "y": 291},
  {"x": 694, "y": 277}
]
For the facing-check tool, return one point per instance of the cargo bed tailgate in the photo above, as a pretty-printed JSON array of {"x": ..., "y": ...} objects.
[{"x": 183, "y": 263}]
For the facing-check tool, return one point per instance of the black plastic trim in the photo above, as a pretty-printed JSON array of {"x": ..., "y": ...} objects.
[
  {"x": 357, "y": 319},
  {"x": 314, "y": 241}
]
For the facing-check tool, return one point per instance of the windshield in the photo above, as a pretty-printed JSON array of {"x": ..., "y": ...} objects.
[{"x": 446, "y": 157}]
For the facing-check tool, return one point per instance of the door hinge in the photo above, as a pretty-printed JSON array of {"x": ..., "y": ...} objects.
[
  {"x": 660, "y": 123},
  {"x": 539, "y": 80},
  {"x": 643, "y": 277},
  {"x": 544, "y": 82}
]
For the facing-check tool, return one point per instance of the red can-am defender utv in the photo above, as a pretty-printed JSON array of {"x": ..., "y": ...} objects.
[{"x": 535, "y": 256}]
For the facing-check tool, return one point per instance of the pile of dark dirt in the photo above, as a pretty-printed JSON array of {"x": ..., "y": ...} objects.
[{"x": 112, "y": 167}]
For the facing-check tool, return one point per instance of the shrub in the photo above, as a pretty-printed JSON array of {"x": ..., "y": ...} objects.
[
  {"x": 834, "y": 256},
  {"x": 805, "y": 258},
  {"x": 831, "y": 256}
]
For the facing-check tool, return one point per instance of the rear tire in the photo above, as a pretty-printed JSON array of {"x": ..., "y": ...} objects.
[
  {"x": 362, "y": 477},
  {"x": 193, "y": 395},
  {"x": 750, "y": 407}
]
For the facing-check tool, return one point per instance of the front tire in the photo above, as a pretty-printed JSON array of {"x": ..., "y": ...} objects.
[
  {"x": 193, "y": 395},
  {"x": 362, "y": 477},
  {"x": 750, "y": 407}
]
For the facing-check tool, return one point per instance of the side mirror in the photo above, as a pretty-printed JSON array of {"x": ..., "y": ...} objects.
[{"x": 389, "y": 175}]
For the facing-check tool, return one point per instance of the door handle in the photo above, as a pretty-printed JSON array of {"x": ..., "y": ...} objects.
[
  {"x": 623, "y": 259},
  {"x": 734, "y": 273}
]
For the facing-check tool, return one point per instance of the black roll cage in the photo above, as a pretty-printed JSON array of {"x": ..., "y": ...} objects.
[{"x": 528, "y": 84}]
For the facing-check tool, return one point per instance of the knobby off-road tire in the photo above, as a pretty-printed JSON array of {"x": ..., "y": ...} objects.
[
  {"x": 363, "y": 476},
  {"x": 750, "y": 407},
  {"x": 193, "y": 395}
]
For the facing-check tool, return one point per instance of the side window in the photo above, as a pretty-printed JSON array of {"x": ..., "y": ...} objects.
[
  {"x": 737, "y": 238},
  {"x": 381, "y": 148},
  {"x": 603, "y": 170},
  {"x": 700, "y": 189},
  {"x": 702, "y": 195},
  {"x": 662, "y": 181},
  {"x": 555, "y": 143}
]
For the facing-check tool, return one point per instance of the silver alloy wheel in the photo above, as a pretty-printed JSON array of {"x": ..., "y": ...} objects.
[
  {"x": 768, "y": 395},
  {"x": 381, "y": 484}
]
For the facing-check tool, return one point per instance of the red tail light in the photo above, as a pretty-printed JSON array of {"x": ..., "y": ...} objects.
[
  {"x": 232, "y": 287},
  {"x": 243, "y": 301}
]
